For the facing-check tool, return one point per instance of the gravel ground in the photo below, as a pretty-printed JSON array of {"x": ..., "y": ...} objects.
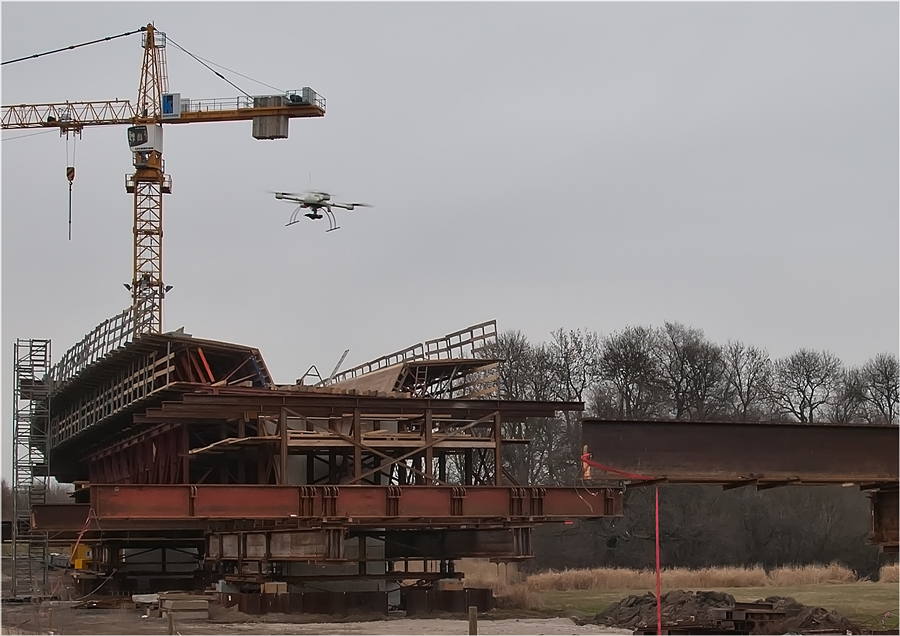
[
  {"x": 430, "y": 626},
  {"x": 30, "y": 619}
]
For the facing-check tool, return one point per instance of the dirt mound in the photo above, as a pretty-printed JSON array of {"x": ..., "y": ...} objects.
[
  {"x": 679, "y": 606},
  {"x": 801, "y": 618}
]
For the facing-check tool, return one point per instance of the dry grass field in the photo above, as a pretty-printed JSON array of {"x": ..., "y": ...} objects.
[{"x": 590, "y": 591}]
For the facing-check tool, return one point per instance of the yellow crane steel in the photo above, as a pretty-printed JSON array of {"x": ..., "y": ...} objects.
[{"x": 154, "y": 107}]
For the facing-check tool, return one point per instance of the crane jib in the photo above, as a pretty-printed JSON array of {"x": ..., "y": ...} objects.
[{"x": 103, "y": 113}]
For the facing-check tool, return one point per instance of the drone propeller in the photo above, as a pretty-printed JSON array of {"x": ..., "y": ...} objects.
[{"x": 350, "y": 206}]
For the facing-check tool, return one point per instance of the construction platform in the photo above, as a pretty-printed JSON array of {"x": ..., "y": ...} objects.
[{"x": 194, "y": 468}]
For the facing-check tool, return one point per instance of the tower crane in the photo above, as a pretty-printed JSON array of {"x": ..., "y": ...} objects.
[{"x": 154, "y": 108}]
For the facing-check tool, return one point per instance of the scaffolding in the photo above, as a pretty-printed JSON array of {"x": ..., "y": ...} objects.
[{"x": 31, "y": 419}]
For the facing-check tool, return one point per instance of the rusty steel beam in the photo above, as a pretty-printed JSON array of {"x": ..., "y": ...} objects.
[
  {"x": 68, "y": 521},
  {"x": 734, "y": 453},
  {"x": 144, "y": 507}
]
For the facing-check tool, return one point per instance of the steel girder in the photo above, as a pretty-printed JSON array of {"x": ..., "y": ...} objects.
[{"x": 738, "y": 452}]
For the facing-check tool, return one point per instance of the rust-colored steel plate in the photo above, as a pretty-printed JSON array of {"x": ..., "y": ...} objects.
[
  {"x": 429, "y": 503},
  {"x": 486, "y": 501},
  {"x": 396, "y": 505},
  {"x": 732, "y": 452},
  {"x": 578, "y": 502},
  {"x": 141, "y": 502},
  {"x": 254, "y": 502},
  {"x": 362, "y": 502}
]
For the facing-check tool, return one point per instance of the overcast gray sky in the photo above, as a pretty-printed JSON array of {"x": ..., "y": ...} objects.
[{"x": 730, "y": 166}]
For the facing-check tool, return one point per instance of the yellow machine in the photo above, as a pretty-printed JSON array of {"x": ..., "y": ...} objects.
[{"x": 81, "y": 556}]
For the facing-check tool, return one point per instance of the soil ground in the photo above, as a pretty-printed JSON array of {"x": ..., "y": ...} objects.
[
  {"x": 58, "y": 617},
  {"x": 873, "y": 605},
  {"x": 33, "y": 619}
]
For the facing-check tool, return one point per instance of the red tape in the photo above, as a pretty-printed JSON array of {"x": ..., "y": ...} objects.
[
  {"x": 586, "y": 459},
  {"x": 87, "y": 522}
]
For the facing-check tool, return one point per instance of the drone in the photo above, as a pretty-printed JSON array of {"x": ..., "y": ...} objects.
[{"x": 319, "y": 205}]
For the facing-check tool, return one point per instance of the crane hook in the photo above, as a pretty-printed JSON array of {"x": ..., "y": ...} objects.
[{"x": 70, "y": 172}]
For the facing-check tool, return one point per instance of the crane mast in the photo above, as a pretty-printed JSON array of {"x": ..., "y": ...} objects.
[{"x": 148, "y": 184}]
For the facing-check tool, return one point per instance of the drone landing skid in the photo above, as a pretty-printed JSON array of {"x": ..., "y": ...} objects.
[
  {"x": 332, "y": 223},
  {"x": 316, "y": 213}
]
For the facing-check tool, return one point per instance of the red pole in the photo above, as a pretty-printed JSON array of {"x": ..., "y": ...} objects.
[
  {"x": 586, "y": 459},
  {"x": 658, "y": 598}
]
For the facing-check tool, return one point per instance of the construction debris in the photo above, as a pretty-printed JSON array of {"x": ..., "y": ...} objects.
[
  {"x": 803, "y": 618},
  {"x": 686, "y": 612}
]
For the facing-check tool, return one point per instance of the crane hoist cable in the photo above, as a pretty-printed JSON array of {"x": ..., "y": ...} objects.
[
  {"x": 274, "y": 88},
  {"x": 73, "y": 46},
  {"x": 70, "y": 172},
  {"x": 217, "y": 73},
  {"x": 43, "y": 132}
]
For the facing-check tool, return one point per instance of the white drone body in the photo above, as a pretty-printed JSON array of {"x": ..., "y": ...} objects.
[{"x": 319, "y": 205}]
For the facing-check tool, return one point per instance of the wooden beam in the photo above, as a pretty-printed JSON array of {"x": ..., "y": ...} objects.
[
  {"x": 357, "y": 441},
  {"x": 283, "y": 447},
  {"x": 429, "y": 451},
  {"x": 498, "y": 452}
]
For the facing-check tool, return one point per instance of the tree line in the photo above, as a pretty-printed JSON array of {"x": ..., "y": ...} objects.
[{"x": 674, "y": 372}]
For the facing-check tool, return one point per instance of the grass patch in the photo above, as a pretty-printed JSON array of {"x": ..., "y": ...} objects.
[
  {"x": 682, "y": 578},
  {"x": 585, "y": 592}
]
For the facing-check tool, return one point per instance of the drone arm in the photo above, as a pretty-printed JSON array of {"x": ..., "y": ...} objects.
[{"x": 350, "y": 206}]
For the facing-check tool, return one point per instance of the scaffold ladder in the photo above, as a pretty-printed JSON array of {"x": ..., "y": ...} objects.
[{"x": 31, "y": 421}]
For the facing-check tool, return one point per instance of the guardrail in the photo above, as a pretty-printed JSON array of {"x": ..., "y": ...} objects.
[
  {"x": 465, "y": 343},
  {"x": 106, "y": 337}
]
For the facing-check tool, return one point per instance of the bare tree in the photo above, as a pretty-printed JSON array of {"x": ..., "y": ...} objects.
[
  {"x": 529, "y": 372},
  {"x": 628, "y": 366},
  {"x": 670, "y": 350},
  {"x": 514, "y": 352},
  {"x": 574, "y": 357},
  {"x": 804, "y": 382},
  {"x": 691, "y": 371},
  {"x": 848, "y": 404},
  {"x": 604, "y": 401},
  {"x": 748, "y": 375},
  {"x": 881, "y": 380},
  {"x": 707, "y": 386}
]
